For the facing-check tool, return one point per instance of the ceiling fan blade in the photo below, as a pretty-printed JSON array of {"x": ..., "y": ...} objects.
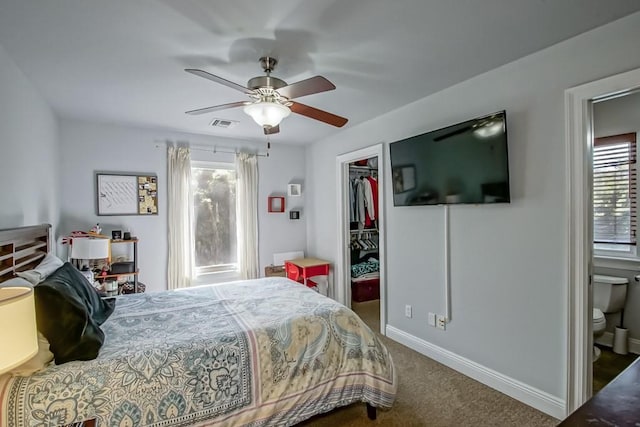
[
  {"x": 216, "y": 108},
  {"x": 309, "y": 86},
  {"x": 220, "y": 80},
  {"x": 314, "y": 113},
  {"x": 271, "y": 130}
]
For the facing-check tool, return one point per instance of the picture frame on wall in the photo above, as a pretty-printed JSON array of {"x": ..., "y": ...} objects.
[
  {"x": 126, "y": 194},
  {"x": 403, "y": 178}
]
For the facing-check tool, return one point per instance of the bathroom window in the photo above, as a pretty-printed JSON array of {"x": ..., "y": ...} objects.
[{"x": 614, "y": 195}]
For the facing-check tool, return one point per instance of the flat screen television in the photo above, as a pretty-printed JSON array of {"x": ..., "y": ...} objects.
[{"x": 466, "y": 163}]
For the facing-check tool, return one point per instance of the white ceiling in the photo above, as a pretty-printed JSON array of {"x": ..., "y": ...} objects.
[{"x": 123, "y": 60}]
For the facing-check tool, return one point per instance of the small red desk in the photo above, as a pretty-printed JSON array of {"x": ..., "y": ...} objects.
[{"x": 300, "y": 269}]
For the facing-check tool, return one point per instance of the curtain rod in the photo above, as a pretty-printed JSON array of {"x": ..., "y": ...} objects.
[{"x": 225, "y": 150}]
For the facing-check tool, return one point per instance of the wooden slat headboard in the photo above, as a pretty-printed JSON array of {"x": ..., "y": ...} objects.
[{"x": 23, "y": 248}]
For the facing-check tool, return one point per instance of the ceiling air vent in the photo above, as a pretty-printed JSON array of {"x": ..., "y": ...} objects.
[{"x": 222, "y": 123}]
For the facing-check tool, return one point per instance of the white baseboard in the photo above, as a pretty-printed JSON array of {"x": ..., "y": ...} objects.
[
  {"x": 526, "y": 394},
  {"x": 607, "y": 339}
]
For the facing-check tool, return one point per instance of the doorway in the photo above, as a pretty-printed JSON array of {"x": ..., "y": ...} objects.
[
  {"x": 616, "y": 122},
  {"x": 343, "y": 282},
  {"x": 579, "y": 136}
]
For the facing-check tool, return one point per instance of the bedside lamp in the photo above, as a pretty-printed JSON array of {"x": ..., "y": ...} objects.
[
  {"x": 89, "y": 248},
  {"x": 19, "y": 342}
]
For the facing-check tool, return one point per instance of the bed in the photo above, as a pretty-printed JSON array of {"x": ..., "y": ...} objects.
[{"x": 253, "y": 353}]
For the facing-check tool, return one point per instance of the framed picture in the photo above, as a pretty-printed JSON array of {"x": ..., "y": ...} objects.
[
  {"x": 126, "y": 194},
  {"x": 403, "y": 178}
]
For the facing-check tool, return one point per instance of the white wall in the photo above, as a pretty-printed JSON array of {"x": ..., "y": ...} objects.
[
  {"x": 614, "y": 117},
  {"x": 278, "y": 233},
  {"x": 28, "y": 154},
  {"x": 509, "y": 287},
  {"x": 87, "y": 148},
  {"x": 617, "y": 116}
]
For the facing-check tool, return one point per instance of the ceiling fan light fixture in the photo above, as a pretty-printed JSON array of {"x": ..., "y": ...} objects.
[{"x": 266, "y": 113}]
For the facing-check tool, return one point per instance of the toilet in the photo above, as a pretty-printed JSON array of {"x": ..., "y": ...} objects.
[{"x": 609, "y": 296}]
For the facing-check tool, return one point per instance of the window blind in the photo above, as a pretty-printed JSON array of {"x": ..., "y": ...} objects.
[{"x": 614, "y": 189}]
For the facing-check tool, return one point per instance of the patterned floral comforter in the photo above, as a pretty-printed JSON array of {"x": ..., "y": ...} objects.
[{"x": 264, "y": 352}]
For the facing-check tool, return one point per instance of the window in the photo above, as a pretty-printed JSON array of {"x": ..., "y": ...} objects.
[
  {"x": 614, "y": 195},
  {"x": 214, "y": 198}
]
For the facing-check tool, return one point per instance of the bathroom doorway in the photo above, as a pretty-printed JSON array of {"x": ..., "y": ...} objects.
[
  {"x": 616, "y": 327},
  {"x": 579, "y": 103},
  {"x": 356, "y": 165}
]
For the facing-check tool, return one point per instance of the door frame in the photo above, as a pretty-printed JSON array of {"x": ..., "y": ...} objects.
[
  {"x": 343, "y": 276},
  {"x": 579, "y": 220}
]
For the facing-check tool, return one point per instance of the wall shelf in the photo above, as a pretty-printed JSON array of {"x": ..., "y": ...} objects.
[
  {"x": 275, "y": 204},
  {"x": 294, "y": 190},
  {"x": 133, "y": 273}
]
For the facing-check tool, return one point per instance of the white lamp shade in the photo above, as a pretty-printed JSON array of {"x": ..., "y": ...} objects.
[
  {"x": 267, "y": 113},
  {"x": 89, "y": 248},
  {"x": 18, "y": 333}
]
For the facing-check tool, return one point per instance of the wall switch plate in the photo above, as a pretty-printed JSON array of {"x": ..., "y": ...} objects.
[
  {"x": 440, "y": 322},
  {"x": 407, "y": 310},
  {"x": 432, "y": 319}
]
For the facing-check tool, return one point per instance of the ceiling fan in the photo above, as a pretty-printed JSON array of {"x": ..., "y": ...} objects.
[{"x": 271, "y": 98}]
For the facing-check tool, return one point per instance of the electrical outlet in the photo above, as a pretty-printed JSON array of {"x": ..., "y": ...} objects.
[
  {"x": 432, "y": 319},
  {"x": 407, "y": 310},
  {"x": 440, "y": 322}
]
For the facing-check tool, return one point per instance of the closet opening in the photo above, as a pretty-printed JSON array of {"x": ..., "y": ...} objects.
[
  {"x": 360, "y": 275},
  {"x": 364, "y": 257}
]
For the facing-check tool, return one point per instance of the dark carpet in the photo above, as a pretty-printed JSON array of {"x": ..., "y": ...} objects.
[{"x": 431, "y": 394}]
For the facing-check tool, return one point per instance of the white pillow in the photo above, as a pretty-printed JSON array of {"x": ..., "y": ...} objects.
[
  {"x": 18, "y": 282},
  {"x": 48, "y": 265}
]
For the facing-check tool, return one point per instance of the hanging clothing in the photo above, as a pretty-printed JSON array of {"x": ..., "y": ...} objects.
[
  {"x": 368, "y": 199},
  {"x": 352, "y": 202},
  {"x": 363, "y": 195},
  {"x": 374, "y": 191},
  {"x": 360, "y": 203}
]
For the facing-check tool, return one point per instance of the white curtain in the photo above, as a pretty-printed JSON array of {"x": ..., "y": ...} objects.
[
  {"x": 247, "y": 214},
  {"x": 180, "y": 269}
]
